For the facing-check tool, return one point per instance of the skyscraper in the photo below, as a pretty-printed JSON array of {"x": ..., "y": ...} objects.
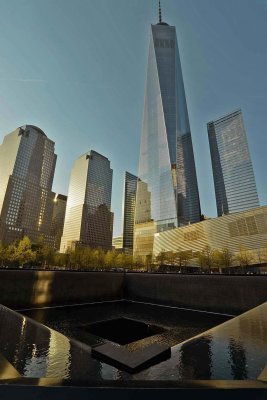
[
  {"x": 59, "y": 210},
  {"x": 88, "y": 220},
  {"x": 27, "y": 165},
  {"x": 130, "y": 185},
  {"x": 167, "y": 193},
  {"x": 234, "y": 180}
]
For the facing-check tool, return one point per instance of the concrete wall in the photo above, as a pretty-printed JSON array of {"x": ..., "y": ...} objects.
[
  {"x": 20, "y": 288},
  {"x": 218, "y": 293}
]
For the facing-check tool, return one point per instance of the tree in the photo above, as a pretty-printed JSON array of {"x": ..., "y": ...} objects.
[
  {"x": 244, "y": 257},
  {"x": 2, "y": 254},
  {"x": 48, "y": 255},
  {"x": 260, "y": 255},
  {"x": 23, "y": 252},
  {"x": 138, "y": 262},
  {"x": 227, "y": 257},
  {"x": 264, "y": 254},
  {"x": 206, "y": 258},
  {"x": 38, "y": 248},
  {"x": 86, "y": 258},
  {"x": 11, "y": 253},
  {"x": 161, "y": 258},
  {"x": 186, "y": 256},
  {"x": 182, "y": 257},
  {"x": 120, "y": 260},
  {"x": 110, "y": 259},
  {"x": 100, "y": 257},
  {"x": 60, "y": 260},
  {"x": 170, "y": 258},
  {"x": 217, "y": 259},
  {"x": 44, "y": 254},
  {"x": 128, "y": 261}
]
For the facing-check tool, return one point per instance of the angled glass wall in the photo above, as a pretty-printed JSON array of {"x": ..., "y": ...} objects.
[{"x": 234, "y": 180}]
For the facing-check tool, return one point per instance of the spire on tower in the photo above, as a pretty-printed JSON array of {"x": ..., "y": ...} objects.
[
  {"x": 160, "y": 19},
  {"x": 160, "y": 16}
]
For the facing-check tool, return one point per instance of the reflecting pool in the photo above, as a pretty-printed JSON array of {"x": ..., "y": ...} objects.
[{"x": 53, "y": 342}]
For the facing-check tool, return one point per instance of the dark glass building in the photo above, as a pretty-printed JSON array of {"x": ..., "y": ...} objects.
[
  {"x": 88, "y": 220},
  {"x": 234, "y": 180},
  {"x": 59, "y": 210},
  {"x": 27, "y": 166},
  {"x": 167, "y": 193},
  {"x": 130, "y": 185}
]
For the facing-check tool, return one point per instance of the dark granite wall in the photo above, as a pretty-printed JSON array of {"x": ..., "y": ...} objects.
[
  {"x": 28, "y": 288},
  {"x": 219, "y": 293}
]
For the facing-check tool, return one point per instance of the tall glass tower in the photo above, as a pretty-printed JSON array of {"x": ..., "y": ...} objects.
[
  {"x": 234, "y": 180},
  {"x": 88, "y": 220},
  {"x": 129, "y": 198},
  {"x": 27, "y": 166},
  {"x": 167, "y": 192}
]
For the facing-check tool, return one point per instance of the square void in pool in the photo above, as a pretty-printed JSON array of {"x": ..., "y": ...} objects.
[{"x": 122, "y": 330}]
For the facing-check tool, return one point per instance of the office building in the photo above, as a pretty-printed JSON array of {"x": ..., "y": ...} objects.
[
  {"x": 129, "y": 198},
  {"x": 89, "y": 220},
  {"x": 245, "y": 230},
  {"x": 166, "y": 163},
  {"x": 27, "y": 165},
  {"x": 59, "y": 210},
  {"x": 234, "y": 180},
  {"x": 117, "y": 243}
]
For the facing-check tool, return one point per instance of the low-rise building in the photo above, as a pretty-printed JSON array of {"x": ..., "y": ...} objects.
[{"x": 246, "y": 230}]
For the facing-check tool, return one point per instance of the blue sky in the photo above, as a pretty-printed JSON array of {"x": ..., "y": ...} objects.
[{"x": 76, "y": 69}]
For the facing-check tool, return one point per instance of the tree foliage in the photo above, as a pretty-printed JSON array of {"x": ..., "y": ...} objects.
[
  {"x": 244, "y": 257},
  {"x": 25, "y": 253}
]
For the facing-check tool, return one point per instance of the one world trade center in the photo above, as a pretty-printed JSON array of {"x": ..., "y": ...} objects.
[{"x": 167, "y": 191}]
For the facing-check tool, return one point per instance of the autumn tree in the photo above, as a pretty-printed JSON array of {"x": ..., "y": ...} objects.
[
  {"x": 23, "y": 252},
  {"x": 120, "y": 260},
  {"x": 244, "y": 257},
  {"x": 170, "y": 258},
  {"x": 138, "y": 262},
  {"x": 110, "y": 259},
  {"x": 161, "y": 258},
  {"x": 206, "y": 258},
  {"x": 227, "y": 257},
  {"x": 182, "y": 257},
  {"x": 128, "y": 261},
  {"x": 60, "y": 260},
  {"x": 2, "y": 254}
]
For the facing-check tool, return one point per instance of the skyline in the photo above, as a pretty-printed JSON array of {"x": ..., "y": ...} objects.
[{"x": 37, "y": 87}]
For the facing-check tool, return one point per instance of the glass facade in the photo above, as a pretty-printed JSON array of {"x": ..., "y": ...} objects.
[
  {"x": 59, "y": 210},
  {"x": 167, "y": 191},
  {"x": 89, "y": 221},
  {"x": 27, "y": 166},
  {"x": 130, "y": 185},
  {"x": 234, "y": 180}
]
